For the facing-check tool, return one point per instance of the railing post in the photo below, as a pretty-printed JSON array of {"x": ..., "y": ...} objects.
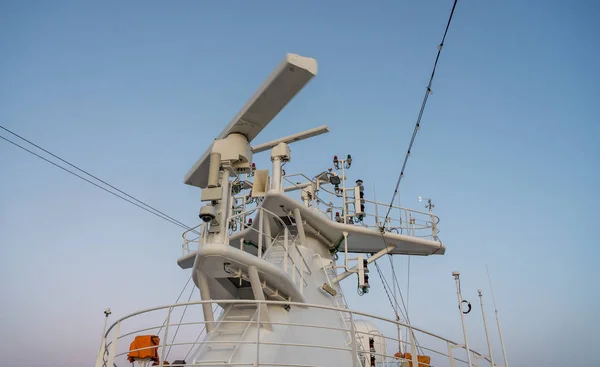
[
  {"x": 258, "y": 333},
  {"x": 433, "y": 227},
  {"x": 243, "y": 217},
  {"x": 101, "y": 352},
  {"x": 301, "y": 283},
  {"x": 355, "y": 362},
  {"x": 413, "y": 347},
  {"x": 451, "y": 362},
  {"x": 165, "y": 336},
  {"x": 285, "y": 245},
  {"x": 102, "y": 349},
  {"x": 113, "y": 346},
  {"x": 260, "y": 233},
  {"x": 267, "y": 229},
  {"x": 293, "y": 257}
]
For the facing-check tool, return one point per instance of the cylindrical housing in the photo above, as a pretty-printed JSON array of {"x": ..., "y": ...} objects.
[{"x": 213, "y": 170}]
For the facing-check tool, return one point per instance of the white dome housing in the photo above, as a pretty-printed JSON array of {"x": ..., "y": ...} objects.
[{"x": 364, "y": 331}]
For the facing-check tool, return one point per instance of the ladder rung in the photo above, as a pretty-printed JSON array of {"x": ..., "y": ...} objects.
[
  {"x": 244, "y": 305},
  {"x": 221, "y": 348}
]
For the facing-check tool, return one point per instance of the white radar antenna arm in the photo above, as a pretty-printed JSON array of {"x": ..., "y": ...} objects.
[{"x": 232, "y": 145}]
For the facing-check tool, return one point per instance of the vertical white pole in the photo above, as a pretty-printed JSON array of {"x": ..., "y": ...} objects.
[
  {"x": 285, "y": 245},
  {"x": 376, "y": 207},
  {"x": 345, "y": 206},
  {"x": 451, "y": 355},
  {"x": 276, "y": 182},
  {"x": 300, "y": 226},
  {"x": 497, "y": 320},
  {"x": 223, "y": 206},
  {"x": 260, "y": 233},
  {"x": 113, "y": 347},
  {"x": 258, "y": 292},
  {"x": 258, "y": 333},
  {"x": 355, "y": 362},
  {"x": 165, "y": 339},
  {"x": 101, "y": 351},
  {"x": 213, "y": 169},
  {"x": 243, "y": 218},
  {"x": 501, "y": 340},
  {"x": 267, "y": 230},
  {"x": 456, "y": 276},
  {"x": 487, "y": 335},
  {"x": 413, "y": 347},
  {"x": 209, "y": 317},
  {"x": 400, "y": 347}
]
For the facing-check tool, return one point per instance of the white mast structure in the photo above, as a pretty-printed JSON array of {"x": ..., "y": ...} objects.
[
  {"x": 269, "y": 260},
  {"x": 487, "y": 335}
]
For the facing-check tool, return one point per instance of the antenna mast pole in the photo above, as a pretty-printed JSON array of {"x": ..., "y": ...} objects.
[
  {"x": 99, "y": 358},
  {"x": 497, "y": 319},
  {"x": 487, "y": 335},
  {"x": 456, "y": 276}
]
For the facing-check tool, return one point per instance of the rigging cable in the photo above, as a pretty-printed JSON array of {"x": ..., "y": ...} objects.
[
  {"x": 179, "y": 324},
  {"x": 405, "y": 313},
  {"x": 201, "y": 331},
  {"x": 176, "y": 301},
  {"x": 412, "y": 140},
  {"x": 150, "y": 209},
  {"x": 418, "y": 123},
  {"x": 146, "y": 207}
]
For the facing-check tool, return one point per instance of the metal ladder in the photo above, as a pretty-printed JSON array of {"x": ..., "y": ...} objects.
[{"x": 229, "y": 334}]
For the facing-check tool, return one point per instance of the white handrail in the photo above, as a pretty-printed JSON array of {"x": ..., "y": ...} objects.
[{"x": 116, "y": 326}]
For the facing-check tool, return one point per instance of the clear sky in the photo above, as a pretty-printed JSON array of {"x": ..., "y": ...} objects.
[{"x": 134, "y": 92}]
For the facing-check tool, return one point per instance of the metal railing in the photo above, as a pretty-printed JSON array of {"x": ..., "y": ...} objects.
[
  {"x": 115, "y": 344},
  {"x": 294, "y": 262},
  {"x": 401, "y": 220}
]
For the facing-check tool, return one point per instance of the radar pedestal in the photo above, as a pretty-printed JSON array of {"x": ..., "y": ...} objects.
[{"x": 231, "y": 153}]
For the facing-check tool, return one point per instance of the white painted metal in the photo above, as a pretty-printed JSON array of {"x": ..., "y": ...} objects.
[
  {"x": 300, "y": 226},
  {"x": 291, "y": 138},
  {"x": 276, "y": 179},
  {"x": 215, "y": 165},
  {"x": 258, "y": 293},
  {"x": 366, "y": 330},
  {"x": 202, "y": 283},
  {"x": 269, "y": 275},
  {"x": 413, "y": 348},
  {"x": 487, "y": 335},
  {"x": 113, "y": 347},
  {"x": 456, "y": 276},
  {"x": 497, "y": 319},
  {"x": 261, "y": 219},
  {"x": 501, "y": 340},
  {"x": 266, "y": 342},
  {"x": 451, "y": 360},
  {"x": 281, "y": 86},
  {"x": 102, "y": 339},
  {"x": 371, "y": 259}
]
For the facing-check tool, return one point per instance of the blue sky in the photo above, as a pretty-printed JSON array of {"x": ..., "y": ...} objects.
[{"x": 134, "y": 92}]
